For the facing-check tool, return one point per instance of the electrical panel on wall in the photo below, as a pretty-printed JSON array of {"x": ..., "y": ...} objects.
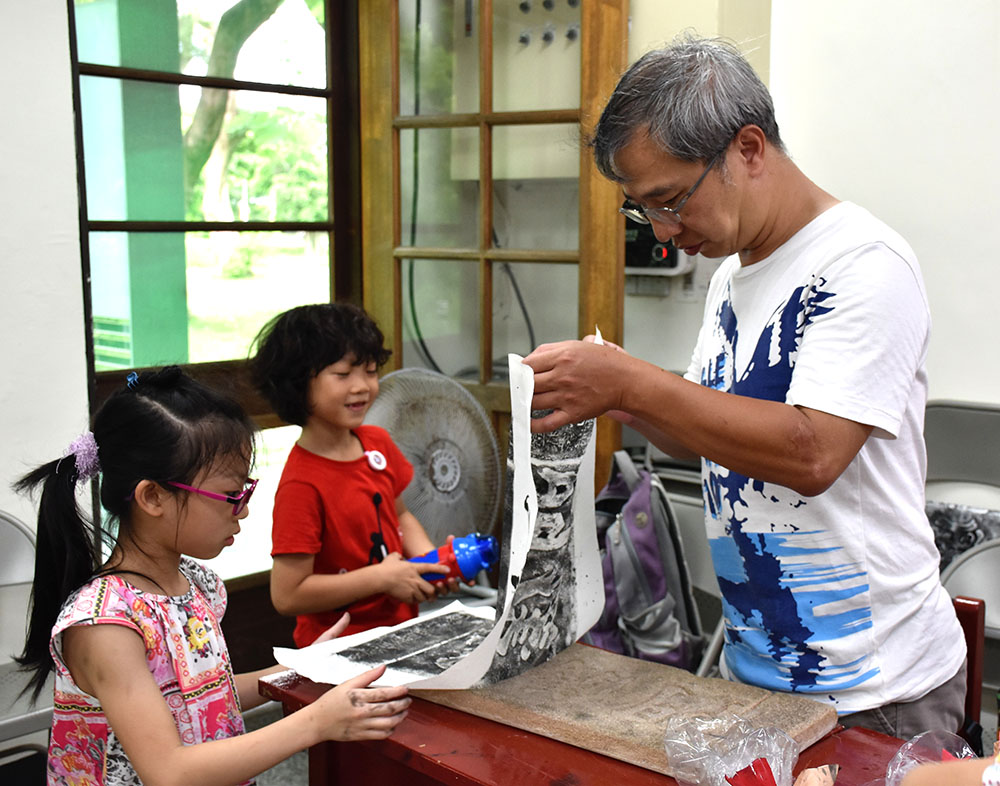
[
  {"x": 651, "y": 265},
  {"x": 536, "y": 66}
]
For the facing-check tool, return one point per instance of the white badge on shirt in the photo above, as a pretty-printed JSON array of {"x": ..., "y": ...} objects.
[{"x": 376, "y": 460}]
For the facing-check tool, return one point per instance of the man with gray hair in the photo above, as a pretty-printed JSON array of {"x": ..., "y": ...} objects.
[{"x": 804, "y": 397}]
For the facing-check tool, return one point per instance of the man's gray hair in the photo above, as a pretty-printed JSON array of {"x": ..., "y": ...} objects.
[{"x": 691, "y": 97}]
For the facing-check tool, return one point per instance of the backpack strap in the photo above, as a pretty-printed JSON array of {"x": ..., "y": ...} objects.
[{"x": 627, "y": 469}]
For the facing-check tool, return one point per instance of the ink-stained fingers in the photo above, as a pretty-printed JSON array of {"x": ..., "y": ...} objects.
[
  {"x": 382, "y": 695},
  {"x": 379, "y": 701},
  {"x": 379, "y": 728},
  {"x": 388, "y": 709}
]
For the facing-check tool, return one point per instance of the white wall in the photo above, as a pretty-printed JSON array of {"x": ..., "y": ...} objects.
[
  {"x": 893, "y": 105},
  {"x": 890, "y": 104},
  {"x": 43, "y": 382},
  {"x": 663, "y": 329}
]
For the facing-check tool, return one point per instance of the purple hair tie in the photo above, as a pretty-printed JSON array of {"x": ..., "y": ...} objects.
[{"x": 84, "y": 452}]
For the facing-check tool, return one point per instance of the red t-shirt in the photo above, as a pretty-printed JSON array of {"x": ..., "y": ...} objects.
[{"x": 328, "y": 508}]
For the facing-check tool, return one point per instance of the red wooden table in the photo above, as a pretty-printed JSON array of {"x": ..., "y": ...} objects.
[{"x": 437, "y": 745}]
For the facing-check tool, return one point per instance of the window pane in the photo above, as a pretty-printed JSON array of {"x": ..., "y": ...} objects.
[
  {"x": 439, "y": 187},
  {"x": 441, "y": 316},
  {"x": 536, "y": 55},
  {"x": 533, "y": 303},
  {"x": 536, "y": 186},
  {"x": 271, "y": 42},
  {"x": 438, "y": 57},
  {"x": 267, "y": 162},
  {"x": 251, "y": 553},
  {"x": 541, "y": 213},
  {"x": 161, "y": 298}
]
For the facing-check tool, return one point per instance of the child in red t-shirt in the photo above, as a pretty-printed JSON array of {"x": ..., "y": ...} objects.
[{"x": 341, "y": 535}]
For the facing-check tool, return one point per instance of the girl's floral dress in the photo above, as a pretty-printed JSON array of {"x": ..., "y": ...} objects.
[{"x": 186, "y": 654}]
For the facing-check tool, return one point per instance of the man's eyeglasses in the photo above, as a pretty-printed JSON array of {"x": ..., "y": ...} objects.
[
  {"x": 663, "y": 215},
  {"x": 238, "y": 501}
]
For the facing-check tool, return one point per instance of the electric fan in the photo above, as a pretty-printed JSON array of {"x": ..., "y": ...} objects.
[{"x": 446, "y": 435}]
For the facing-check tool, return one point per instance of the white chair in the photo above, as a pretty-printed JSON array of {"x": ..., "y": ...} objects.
[
  {"x": 20, "y": 721},
  {"x": 963, "y": 497},
  {"x": 976, "y": 574},
  {"x": 963, "y": 470},
  {"x": 963, "y": 453}
]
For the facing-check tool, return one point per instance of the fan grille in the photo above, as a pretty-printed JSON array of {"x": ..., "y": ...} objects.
[{"x": 445, "y": 433}]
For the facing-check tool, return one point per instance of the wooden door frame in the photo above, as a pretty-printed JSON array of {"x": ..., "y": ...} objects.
[{"x": 601, "y": 256}]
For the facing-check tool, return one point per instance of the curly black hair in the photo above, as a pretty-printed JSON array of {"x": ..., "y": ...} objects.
[{"x": 295, "y": 346}]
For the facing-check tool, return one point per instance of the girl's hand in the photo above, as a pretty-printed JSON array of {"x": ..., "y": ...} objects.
[
  {"x": 445, "y": 587},
  {"x": 451, "y": 583},
  {"x": 334, "y": 630},
  {"x": 353, "y": 711},
  {"x": 402, "y": 581}
]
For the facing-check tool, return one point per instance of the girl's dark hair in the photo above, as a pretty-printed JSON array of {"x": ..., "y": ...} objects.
[
  {"x": 163, "y": 426},
  {"x": 295, "y": 346}
]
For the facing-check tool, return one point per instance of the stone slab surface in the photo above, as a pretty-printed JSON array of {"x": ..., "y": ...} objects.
[{"x": 619, "y": 706}]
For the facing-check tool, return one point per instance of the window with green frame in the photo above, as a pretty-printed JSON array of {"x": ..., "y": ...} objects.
[
  {"x": 209, "y": 170},
  {"x": 217, "y": 145}
]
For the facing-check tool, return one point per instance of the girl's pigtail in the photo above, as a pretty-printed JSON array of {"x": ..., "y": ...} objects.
[
  {"x": 66, "y": 556},
  {"x": 162, "y": 426}
]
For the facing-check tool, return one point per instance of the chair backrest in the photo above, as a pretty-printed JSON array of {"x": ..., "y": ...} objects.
[
  {"x": 976, "y": 573},
  {"x": 963, "y": 453},
  {"x": 18, "y": 717},
  {"x": 17, "y": 567},
  {"x": 17, "y": 551}
]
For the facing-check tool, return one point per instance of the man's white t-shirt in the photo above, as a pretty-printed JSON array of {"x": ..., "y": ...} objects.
[{"x": 836, "y": 596}]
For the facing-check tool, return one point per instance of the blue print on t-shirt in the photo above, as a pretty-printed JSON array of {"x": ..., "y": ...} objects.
[{"x": 771, "y": 588}]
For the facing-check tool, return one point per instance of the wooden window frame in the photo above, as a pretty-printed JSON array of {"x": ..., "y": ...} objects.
[
  {"x": 601, "y": 255},
  {"x": 344, "y": 189}
]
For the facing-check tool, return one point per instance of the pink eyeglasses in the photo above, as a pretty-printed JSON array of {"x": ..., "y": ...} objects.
[{"x": 238, "y": 501}]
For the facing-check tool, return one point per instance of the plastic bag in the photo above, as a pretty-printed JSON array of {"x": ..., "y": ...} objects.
[
  {"x": 709, "y": 751},
  {"x": 931, "y": 746}
]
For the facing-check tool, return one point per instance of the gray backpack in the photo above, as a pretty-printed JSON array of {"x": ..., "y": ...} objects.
[{"x": 649, "y": 607}]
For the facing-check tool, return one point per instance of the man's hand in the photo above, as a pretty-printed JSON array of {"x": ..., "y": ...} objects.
[{"x": 577, "y": 380}]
